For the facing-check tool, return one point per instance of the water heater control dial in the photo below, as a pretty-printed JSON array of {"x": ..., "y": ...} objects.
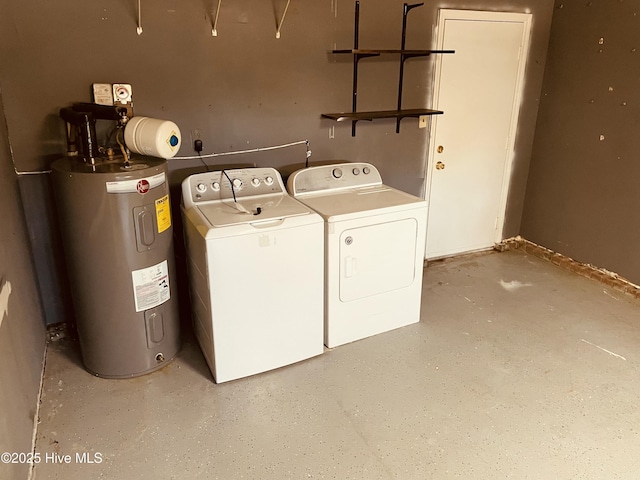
[{"x": 201, "y": 188}]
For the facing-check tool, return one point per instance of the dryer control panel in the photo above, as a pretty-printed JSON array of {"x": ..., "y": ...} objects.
[
  {"x": 224, "y": 184},
  {"x": 334, "y": 177}
]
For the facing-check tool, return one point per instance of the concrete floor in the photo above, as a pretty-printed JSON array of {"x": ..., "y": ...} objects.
[{"x": 518, "y": 369}]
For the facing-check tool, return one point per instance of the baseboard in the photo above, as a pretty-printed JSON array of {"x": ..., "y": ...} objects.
[{"x": 601, "y": 275}]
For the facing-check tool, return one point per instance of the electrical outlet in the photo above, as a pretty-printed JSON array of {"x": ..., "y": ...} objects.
[
  {"x": 102, "y": 94},
  {"x": 196, "y": 140}
]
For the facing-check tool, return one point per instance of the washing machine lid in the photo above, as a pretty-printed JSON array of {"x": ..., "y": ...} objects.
[
  {"x": 361, "y": 202},
  {"x": 251, "y": 210}
]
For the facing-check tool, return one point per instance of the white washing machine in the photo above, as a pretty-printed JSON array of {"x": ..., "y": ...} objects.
[
  {"x": 255, "y": 262},
  {"x": 374, "y": 249}
]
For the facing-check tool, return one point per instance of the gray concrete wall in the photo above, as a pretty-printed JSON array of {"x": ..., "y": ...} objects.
[
  {"x": 22, "y": 334},
  {"x": 243, "y": 89},
  {"x": 582, "y": 197}
]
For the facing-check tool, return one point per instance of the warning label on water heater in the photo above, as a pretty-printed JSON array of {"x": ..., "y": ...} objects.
[
  {"x": 163, "y": 213},
  {"x": 151, "y": 286}
]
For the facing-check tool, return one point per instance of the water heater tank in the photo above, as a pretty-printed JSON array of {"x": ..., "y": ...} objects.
[{"x": 117, "y": 232}]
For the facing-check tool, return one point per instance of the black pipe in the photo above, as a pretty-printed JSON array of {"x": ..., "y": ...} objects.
[{"x": 85, "y": 125}]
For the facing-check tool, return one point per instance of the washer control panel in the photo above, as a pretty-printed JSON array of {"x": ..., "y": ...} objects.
[
  {"x": 333, "y": 177},
  {"x": 221, "y": 185}
]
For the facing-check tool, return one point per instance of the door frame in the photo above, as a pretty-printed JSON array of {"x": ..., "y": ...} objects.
[{"x": 493, "y": 16}]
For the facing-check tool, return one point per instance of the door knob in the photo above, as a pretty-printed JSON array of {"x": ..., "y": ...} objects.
[
  {"x": 440, "y": 166},
  {"x": 440, "y": 149}
]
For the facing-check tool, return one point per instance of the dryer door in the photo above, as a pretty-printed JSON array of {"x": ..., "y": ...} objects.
[{"x": 377, "y": 258}]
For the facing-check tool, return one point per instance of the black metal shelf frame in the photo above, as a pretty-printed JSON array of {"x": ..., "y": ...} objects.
[{"x": 359, "y": 54}]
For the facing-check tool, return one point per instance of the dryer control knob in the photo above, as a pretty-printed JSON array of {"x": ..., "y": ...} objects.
[
  {"x": 366, "y": 170},
  {"x": 237, "y": 183},
  {"x": 268, "y": 180},
  {"x": 356, "y": 171},
  {"x": 255, "y": 182},
  {"x": 201, "y": 187},
  {"x": 215, "y": 186},
  {"x": 337, "y": 173}
]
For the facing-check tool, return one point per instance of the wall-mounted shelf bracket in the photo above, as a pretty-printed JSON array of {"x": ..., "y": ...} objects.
[
  {"x": 139, "y": 28},
  {"x": 279, "y": 23},
  {"x": 404, "y": 56},
  {"x": 354, "y": 97},
  {"x": 358, "y": 54},
  {"x": 214, "y": 25}
]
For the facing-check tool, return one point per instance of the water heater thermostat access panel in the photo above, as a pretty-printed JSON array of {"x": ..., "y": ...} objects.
[{"x": 212, "y": 186}]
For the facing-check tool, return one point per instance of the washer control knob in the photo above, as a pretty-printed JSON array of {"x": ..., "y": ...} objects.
[
  {"x": 255, "y": 181},
  {"x": 337, "y": 173},
  {"x": 268, "y": 180},
  {"x": 356, "y": 171},
  {"x": 215, "y": 186},
  {"x": 366, "y": 170},
  {"x": 237, "y": 183},
  {"x": 201, "y": 188}
]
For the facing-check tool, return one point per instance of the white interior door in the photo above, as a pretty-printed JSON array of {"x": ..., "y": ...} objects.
[{"x": 471, "y": 146}]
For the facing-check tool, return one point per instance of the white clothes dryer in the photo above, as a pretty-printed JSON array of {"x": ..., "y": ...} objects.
[
  {"x": 374, "y": 249},
  {"x": 255, "y": 262}
]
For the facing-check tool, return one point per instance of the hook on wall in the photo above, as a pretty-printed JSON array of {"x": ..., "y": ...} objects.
[
  {"x": 139, "y": 29},
  {"x": 214, "y": 26},
  {"x": 279, "y": 23}
]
